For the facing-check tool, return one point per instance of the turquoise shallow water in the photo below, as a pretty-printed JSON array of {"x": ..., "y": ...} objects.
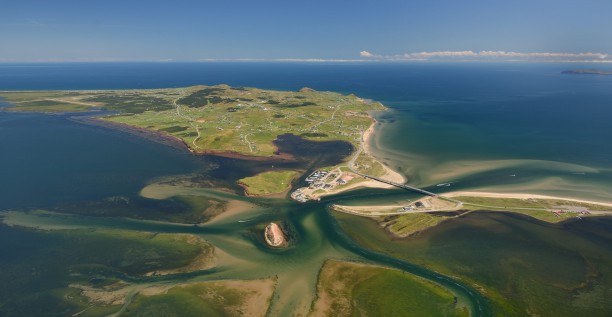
[
  {"x": 510, "y": 127},
  {"x": 470, "y": 124},
  {"x": 525, "y": 128}
]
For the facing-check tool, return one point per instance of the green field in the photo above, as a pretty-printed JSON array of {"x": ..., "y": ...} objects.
[
  {"x": 368, "y": 165},
  {"x": 411, "y": 223},
  {"x": 511, "y": 204},
  {"x": 268, "y": 182},
  {"x": 349, "y": 289},
  {"x": 218, "y": 118}
]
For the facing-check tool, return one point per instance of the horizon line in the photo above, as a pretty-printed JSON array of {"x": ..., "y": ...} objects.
[{"x": 304, "y": 60}]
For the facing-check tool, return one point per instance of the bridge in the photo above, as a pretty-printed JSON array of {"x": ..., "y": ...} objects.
[
  {"x": 351, "y": 166},
  {"x": 407, "y": 187},
  {"x": 404, "y": 186}
]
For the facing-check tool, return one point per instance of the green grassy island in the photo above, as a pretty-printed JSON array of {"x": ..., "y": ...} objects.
[{"x": 268, "y": 183}]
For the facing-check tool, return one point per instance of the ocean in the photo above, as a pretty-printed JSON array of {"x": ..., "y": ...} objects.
[
  {"x": 497, "y": 127},
  {"x": 511, "y": 127}
]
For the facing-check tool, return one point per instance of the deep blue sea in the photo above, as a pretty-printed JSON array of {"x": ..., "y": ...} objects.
[
  {"x": 512, "y": 127},
  {"x": 506, "y": 127}
]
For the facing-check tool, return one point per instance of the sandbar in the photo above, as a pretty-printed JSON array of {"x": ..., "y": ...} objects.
[{"x": 521, "y": 196}]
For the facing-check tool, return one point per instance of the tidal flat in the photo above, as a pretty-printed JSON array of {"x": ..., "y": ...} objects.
[
  {"x": 523, "y": 266},
  {"x": 345, "y": 288},
  {"x": 139, "y": 191},
  {"x": 42, "y": 270}
]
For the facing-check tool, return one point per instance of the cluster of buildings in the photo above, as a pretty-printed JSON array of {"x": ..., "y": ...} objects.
[
  {"x": 317, "y": 180},
  {"x": 316, "y": 176},
  {"x": 314, "y": 181},
  {"x": 571, "y": 209},
  {"x": 418, "y": 205},
  {"x": 320, "y": 180},
  {"x": 300, "y": 196}
]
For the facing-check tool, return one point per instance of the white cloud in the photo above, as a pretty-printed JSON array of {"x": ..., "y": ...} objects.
[
  {"x": 492, "y": 55},
  {"x": 441, "y": 54},
  {"x": 543, "y": 55}
]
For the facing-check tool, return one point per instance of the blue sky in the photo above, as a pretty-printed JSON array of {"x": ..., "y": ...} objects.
[{"x": 61, "y": 30}]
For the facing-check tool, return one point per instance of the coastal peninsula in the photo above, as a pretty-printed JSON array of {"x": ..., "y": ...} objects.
[
  {"x": 413, "y": 217},
  {"x": 277, "y": 143},
  {"x": 252, "y": 124},
  {"x": 244, "y": 123}
]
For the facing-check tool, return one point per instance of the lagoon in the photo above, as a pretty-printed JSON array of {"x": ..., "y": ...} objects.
[{"x": 499, "y": 127}]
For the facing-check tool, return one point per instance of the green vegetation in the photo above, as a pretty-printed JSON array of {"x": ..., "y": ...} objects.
[
  {"x": 369, "y": 166},
  {"x": 218, "y": 118},
  {"x": 523, "y": 267},
  {"x": 173, "y": 129},
  {"x": 532, "y": 202},
  {"x": 313, "y": 135},
  {"x": 202, "y": 97},
  {"x": 132, "y": 102},
  {"x": 205, "y": 299},
  {"x": 46, "y": 101},
  {"x": 52, "y": 302},
  {"x": 129, "y": 252},
  {"x": 49, "y": 106},
  {"x": 411, "y": 223},
  {"x": 179, "y": 209},
  {"x": 38, "y": 266},
  {"x": 268, "y": 182},
  {"x": 203, "y": 208},
  {"x": 511, "y": 204},
  {"x": 348, "y": 289},
  {"x": 224, "y": 120}
]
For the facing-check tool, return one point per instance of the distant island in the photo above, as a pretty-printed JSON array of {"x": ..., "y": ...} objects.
[{"x": 587, "y": 72}]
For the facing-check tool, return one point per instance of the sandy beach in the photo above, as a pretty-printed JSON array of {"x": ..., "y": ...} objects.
[
  {"x": 521, "y": 196},
  {"x": 233, "y": 208},
  {"x": 391, "y": 174},
  {"x": 433, "y": 204},
  {"x": 274, "y": 235},
  {"x": 364, "y": 149}
]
